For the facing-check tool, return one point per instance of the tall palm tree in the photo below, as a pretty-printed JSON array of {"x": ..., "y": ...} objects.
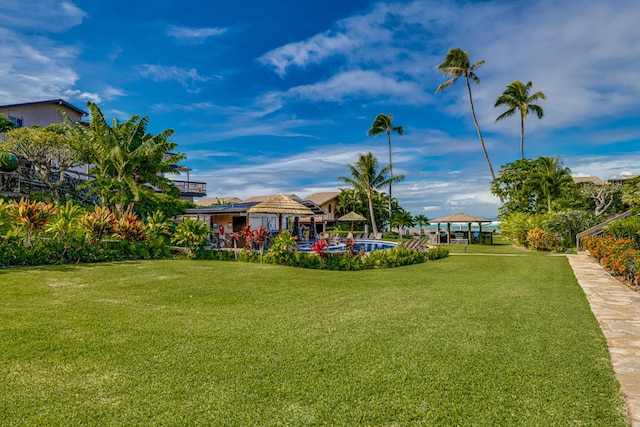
[
  {"x": 456, "y": 64},
  {"x": 383, "y": 123},
  {"x": 366, "y": 177},
  {"x": 517, "y": 97},
  {"x": 421, "y": 220}
]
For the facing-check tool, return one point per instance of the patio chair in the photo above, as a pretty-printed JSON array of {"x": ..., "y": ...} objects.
[
  {"x": 378, "y": 236},
  {"x": 358, "y": 236}
]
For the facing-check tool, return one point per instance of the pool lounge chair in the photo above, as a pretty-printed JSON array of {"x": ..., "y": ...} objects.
[{"x": 377, "y": 236}]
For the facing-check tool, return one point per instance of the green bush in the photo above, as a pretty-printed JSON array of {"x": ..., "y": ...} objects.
[
  {"x": 51, "y": 251},
  {"x": 565, "y": 225},
  {"x": 516, "y": 226},
  {"x": 627, "y": 228}
]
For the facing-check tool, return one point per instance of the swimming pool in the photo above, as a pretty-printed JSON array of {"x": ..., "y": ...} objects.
[{"x": 367, "y": 245}]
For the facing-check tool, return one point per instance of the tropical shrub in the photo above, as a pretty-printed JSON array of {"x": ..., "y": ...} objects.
[
  {"x": 98, "y": 224},
  {"x": 618, "y": 256},
  {"x": 66, "y": 222},
  {"x": 191, "y": 234},
  {"x": 260, "y": 237},
  {"x": 31, "y": 217},
  {"x": 158, "y": 227},
  {"x": 627, "y": 228},
  {"x": 565, "y": 225},
  {"x": 128, "y": 227},
  {"x": 77, "y": 251},
  {"x": 542, "y": 241},
  {"x": 399, "y": 256},
  {"x": 516, "y": 226}
]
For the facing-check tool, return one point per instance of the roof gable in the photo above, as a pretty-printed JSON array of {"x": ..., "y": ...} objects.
[
  {"x": 52, "y": 101},
  {"x": 323, "y": 197}
]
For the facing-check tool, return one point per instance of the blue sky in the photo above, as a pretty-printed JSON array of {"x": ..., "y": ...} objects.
[{"x": 277, "y": 96}]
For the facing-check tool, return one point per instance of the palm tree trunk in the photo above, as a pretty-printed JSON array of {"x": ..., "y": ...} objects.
[
  {"x": 521, "y": 137},
  {"x": 390, "y": 170},
  {"x": 475, "y": 121},
  {"x": 372, "y": 215}
]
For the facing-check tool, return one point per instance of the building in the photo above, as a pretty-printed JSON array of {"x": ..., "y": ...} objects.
[
  {"x": 42, "y": 113},
  {"x": 45, "y": 113},
  {"x": 328, "y": 202}
]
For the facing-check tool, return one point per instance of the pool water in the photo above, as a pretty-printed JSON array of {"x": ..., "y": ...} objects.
[{"x": 368, "y": 245}]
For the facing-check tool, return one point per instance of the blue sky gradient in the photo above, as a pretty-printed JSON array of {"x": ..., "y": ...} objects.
[{"x": 269, "y": 97}]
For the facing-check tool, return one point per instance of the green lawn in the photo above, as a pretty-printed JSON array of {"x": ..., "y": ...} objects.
[{"x": 467, "y": 341}]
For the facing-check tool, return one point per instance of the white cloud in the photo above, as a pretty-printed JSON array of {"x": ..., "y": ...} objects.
[
  {"x": 193, "y": 35},
  {"x": 160, "y": 73},
  {"x": 33, "y": 69},
  {"x": 85, "y": 96},
  {"x": 113, "y": 92},
  {"x": 42, "y": 15},
  {"x": 360, "y": 84},
  {"x": 604, "y": 166}
]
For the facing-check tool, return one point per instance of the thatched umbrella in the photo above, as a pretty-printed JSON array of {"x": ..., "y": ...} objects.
[
  {"x": 280, "y": 205},
  {"x": 352, "y": 216}
]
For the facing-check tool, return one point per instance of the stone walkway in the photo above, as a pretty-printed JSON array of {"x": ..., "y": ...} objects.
[{"x": 617, "y": 309}]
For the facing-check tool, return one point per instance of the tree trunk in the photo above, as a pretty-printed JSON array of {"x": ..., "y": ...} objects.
[
  {"x": 475, "y": 121},
  {"x": 390, "y": 170},
  {"x": 521, "y": 137},
  {"x": 371, "y": 214}
]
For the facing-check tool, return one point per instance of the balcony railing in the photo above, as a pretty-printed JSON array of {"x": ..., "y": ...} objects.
[{"x": 191, "y": 188}]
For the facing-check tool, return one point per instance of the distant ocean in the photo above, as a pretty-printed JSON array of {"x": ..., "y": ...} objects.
[{"x": 494, "y": 225}]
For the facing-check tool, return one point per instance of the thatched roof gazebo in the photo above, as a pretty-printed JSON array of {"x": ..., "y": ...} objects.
[
  {"x": 460, "y": 218},
  {"x": 280, "y": 205},
  {"x": 352, "y": 216}
]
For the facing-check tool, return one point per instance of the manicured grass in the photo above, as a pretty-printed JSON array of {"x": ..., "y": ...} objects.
[{"x": 468, "y": 340}]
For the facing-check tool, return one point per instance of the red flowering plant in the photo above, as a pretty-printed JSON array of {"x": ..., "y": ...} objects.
[
  {"x": 260, "y": 237},
  {"x": 319, "y": 247},
  {"x": 247, "y": 233},
  {"x": 350, "y": 243}
]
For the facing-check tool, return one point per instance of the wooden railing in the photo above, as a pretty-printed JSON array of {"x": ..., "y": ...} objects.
[
  {"x": 599, "y": 229},
  {"x": 191, "y": 187}
]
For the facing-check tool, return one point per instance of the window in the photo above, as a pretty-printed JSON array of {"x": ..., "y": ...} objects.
[{"x": 16, "y": 121}]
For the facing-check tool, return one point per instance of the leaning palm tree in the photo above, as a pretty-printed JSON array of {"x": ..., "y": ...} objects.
[
  {"x": 383, "y": 123},
  {"x": 366, "y": 177},
  {"x": 455, "y": 65},
  {"x": 516, "y": 97}
]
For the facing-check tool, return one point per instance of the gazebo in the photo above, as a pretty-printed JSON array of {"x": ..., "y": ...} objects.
[
  {"x": 280, "y": 205},
  {"x": 352, "y": 216},
  {"x": 461, "y": 218}
]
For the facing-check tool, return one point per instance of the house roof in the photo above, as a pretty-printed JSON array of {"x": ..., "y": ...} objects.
[
  {"x": 265, "y": 198},
  {"x": 322, "y": 197},
  {"x": 280, "y": 204},
  {"x": 51, "y": 101},
  {"x": 592, "y": 179},
  {"x": 212, "y": 201},
  {"x": 622, "y": 178},
  {"x": 458, "y": 217}
]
